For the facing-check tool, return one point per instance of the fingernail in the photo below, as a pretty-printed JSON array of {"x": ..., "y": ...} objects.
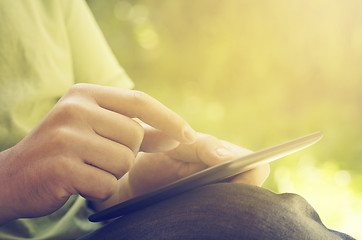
[
  {"x": 189, "y": 134},
  {"x": 224, "y": 153}
]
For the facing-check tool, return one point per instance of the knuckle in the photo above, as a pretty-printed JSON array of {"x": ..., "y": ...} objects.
[
  {"x": 127, "y": 161},
  {"x": 71, "y": 107},
  {"x": 138, "y": 132},
  {"x": 70, "y": 110},
  {"x": 107, "y": 189},
  {"x": 139, "y": 98},
  {"x": 78, "y": 91},
  {"x": 78, "y": 88},
  {"x": 124, "y": 163}
]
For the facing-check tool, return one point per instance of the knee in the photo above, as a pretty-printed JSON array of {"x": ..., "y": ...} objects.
[
  {"x": 221, "y": 211},
  {"x": 251, "y": 212},
  {"x": 232, "y": 211}
]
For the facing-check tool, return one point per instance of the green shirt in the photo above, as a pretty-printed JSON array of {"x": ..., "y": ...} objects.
[{"x": 46, "y": 47}]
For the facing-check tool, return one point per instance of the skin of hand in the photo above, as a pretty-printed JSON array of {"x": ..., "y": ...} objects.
[
  {"x": 83, "y": 146},
  {"x": 153, "y": 170}
]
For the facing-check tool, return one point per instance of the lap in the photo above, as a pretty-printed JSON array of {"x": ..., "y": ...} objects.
[{"x": 222, "y": 211}]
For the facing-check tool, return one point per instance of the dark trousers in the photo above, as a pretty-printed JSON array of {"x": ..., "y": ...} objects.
[{"x": 222, "y": 211}]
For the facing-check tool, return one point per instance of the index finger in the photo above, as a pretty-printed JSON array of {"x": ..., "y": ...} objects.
[{"x": 136, "y": 104}]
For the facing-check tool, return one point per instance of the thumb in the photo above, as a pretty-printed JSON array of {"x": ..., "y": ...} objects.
[{"x": 156, "y": 141}]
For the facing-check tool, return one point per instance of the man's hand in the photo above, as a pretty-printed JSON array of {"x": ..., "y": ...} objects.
[
  {"x": 153, "y": 170},
  {"x": 83, "y": 146}
]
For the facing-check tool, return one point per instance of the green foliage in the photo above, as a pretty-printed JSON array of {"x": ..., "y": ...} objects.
[{"x": 257, "y": 73}]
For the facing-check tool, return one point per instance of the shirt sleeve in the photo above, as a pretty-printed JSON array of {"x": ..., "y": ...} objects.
[{"x": 93, "y": 60}]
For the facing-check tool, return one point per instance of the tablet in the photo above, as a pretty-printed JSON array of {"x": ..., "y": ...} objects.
[{"x": 209, "y": 175}]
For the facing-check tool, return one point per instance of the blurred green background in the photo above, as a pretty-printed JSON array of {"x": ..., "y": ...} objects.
[{"x": 258, "y": 73}]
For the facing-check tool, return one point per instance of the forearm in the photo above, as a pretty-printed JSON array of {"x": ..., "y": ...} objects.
[{"x": 6, "y": 212}]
